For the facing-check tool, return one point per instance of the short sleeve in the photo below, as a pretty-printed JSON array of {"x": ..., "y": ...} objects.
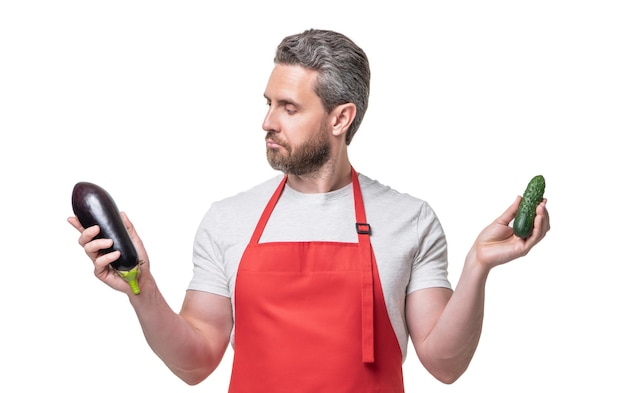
[{"x": 430, "y": 265}]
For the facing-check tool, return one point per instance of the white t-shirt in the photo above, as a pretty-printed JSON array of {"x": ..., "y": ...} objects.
[{"x": 407, "y": 238}]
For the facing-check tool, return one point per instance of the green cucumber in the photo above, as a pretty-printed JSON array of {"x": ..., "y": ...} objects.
[{"x": 525, "y": 216}]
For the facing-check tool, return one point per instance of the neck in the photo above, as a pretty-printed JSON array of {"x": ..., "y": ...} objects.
[{"x": 330, "y": 177}]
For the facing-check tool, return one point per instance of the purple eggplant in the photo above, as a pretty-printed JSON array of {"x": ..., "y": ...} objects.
[{"x": 93, "y": 205}]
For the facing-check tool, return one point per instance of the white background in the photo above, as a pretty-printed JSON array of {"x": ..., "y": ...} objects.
[{"x": 160, "y": 102}]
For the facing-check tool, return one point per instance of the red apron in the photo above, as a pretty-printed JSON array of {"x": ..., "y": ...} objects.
[{"x": 310, "y": 316}]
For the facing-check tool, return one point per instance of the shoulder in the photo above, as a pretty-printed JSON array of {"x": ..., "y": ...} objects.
[
  {"x": 386, "y": 206},
  {"x": 259, "y": 193},
  {"x": 381, "y": 195},
  {"x": 242, "y": 207}
]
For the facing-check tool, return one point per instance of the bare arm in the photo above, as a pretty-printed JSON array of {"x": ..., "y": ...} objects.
[
  {"x": 191, "y": 343},
  {"x": 445, "y": 327}
]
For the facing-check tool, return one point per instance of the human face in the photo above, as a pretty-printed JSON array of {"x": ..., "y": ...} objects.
[{"x": 298, "y": 136}]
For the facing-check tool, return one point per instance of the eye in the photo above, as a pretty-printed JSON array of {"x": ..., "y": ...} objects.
[{"x": 290, "y": 109}]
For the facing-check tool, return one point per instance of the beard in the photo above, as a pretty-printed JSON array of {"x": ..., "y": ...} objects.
[{"x": 303, "y": 159}]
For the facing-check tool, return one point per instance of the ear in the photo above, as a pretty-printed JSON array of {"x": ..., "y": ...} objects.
[{"x": 342, "y": 116}]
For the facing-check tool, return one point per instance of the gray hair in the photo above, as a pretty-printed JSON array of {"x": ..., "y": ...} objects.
[{"x": 342, "y": 66}]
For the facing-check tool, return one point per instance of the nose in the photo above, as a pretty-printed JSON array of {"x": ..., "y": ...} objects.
[{"x": 269, "y": 123}]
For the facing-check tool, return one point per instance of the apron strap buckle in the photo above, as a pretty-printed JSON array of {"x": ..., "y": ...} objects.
[{"x": 363, "y": 228}]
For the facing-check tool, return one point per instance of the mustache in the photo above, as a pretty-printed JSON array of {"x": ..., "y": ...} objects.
[{"x": 272, "y": 135}]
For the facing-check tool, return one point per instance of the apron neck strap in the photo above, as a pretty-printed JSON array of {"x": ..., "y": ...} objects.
[
  {"x": 364, "y": 231},
  {"x": 260, "y": 226}
]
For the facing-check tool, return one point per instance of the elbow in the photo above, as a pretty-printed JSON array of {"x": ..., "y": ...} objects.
[
  {"x": 448, "y": 374},
  {"x": 191, "y": 378},
  {"x": 449, "y": 368},
  {"x": 447, "y": 378}
]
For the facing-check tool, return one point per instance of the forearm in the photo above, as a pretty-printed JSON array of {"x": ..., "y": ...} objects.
[
  {"x": 446, "y": 351},
  {"x": 446, "y": 330},
  {"x": 191, "y": 355}
]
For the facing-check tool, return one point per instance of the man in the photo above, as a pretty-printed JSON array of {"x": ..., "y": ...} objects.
[{"x": 318, "y": 277}]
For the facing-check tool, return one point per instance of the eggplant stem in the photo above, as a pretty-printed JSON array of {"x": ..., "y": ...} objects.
[{"x": 130, "y": 276}]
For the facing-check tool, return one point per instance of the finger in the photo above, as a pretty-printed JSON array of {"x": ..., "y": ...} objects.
[
  {"x": 88, "y": 235},
  {"x": 75, "y": 223},
  {"x": 102, "y": 262},
  {"x": 96, "y": 246},
  {"x": 541, "y": 224},
  {"x": 542, "y": 212},
  {"x": 509, "y": 213}
]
